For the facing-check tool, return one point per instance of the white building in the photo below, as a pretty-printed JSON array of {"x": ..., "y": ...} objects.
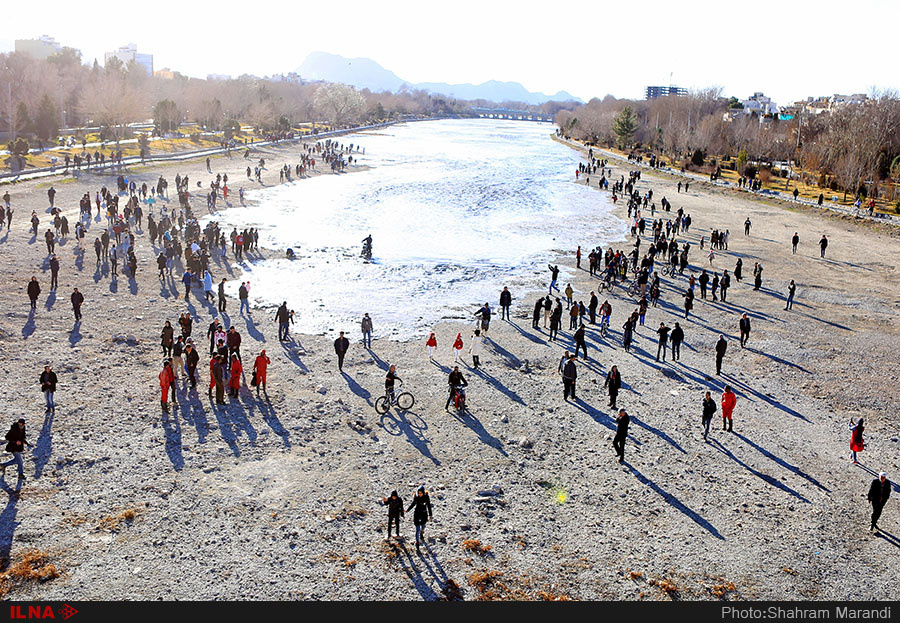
[
  {"x": 128, "y": 53},
  {"x": 40, "y": 48},
  {"x": 759, "y": 104}
]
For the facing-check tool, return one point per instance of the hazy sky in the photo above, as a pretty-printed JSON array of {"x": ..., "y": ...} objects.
[{"x": 787, "y": 50}]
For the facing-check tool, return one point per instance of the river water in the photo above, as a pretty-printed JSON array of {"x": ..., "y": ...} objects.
[{"x": 456, "y": 209}]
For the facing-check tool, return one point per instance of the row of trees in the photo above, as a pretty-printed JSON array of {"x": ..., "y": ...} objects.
[
  {"x": 854, "y": 148},
  {"x": 46, "y": 93}
]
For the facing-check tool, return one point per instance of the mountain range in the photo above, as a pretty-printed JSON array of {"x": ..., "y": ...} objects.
[{"x": 364, "y": 73}]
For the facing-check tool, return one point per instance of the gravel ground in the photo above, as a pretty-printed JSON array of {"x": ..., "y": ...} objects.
[{"x": 278, "y": 497}]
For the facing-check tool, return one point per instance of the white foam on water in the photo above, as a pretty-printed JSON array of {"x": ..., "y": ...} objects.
[{"x": 456, "y": 209}]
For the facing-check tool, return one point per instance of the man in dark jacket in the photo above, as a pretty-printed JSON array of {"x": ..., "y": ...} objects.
[
  {"x": 340, "y": 347},
  {"x": 234, "y": 343},
  {"x": 17, "y": 443},
  {"x": 455, "y": 380},
  {"x": 222, "y": 295},
  {"x": 54, "y": 272},
  {"x": 395, "y": 512},
  {"x": 879, "y": 492},
  {"x": 592, "y": 308},
  {"x": 281, "y": 317},
  {"x": 34, "y": 288},
  {"x": 613, "y": 384},
  {"x": 663, "y": 332},
  {"x": 218, "y": 370},
  {"x": 622, "y": 421},
  {"x": 745, "y": 329},
  {"x": 569, "y": 374},
  {"x": 676, "y": 339},
  {"x": 536, "y": 317},
  {"x": 191, "y": 360},
  {"x": 48, "y": 386},
  {"x": 422, "y": 513},
  {"x": 709, "y": 410},
  {"x": 211, "y": 335},
  {"x": 485, "y": 314},
  {"x": 505, "y": 302},
  {"x": 721, "y": 347},
  {"x": 578, "y": 336},
  {"x": 244, "y": 296},
  {"x": 77, "y": 301}
]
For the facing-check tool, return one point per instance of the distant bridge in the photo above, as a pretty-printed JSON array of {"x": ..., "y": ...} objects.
[{"x": 509, "y": 113}]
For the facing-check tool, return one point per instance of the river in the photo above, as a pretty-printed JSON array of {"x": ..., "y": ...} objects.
[{"x": 456, "y": 209}]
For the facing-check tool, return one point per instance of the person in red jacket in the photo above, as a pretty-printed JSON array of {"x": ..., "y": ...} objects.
[
  {"x": 167, "y": 380},
  {"x": 856, "y": 439},
  {"x": 234, "y": 382},
  {"x": 728, "y": 402},
  {"x": 431, "y": 344},
  {"x": 457, "y": 347},
  {"x": 260, "y": 366}
]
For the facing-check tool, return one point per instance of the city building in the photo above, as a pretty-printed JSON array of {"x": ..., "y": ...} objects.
[
  {"x": 40, "y": 48},
  {"x": 128, "y": 53},
  {"x": 654, "y": 92},
  {"x": 759, "y": 104},
  {"x": 165, "y": 73}
]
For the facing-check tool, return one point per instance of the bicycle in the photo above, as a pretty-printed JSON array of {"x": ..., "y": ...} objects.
[
  {"x": 604, "y": 327},
  {"x": 666, "y": 269},
  {"x": 634, "y": 290},
  {"x": 403, "y": 400}
]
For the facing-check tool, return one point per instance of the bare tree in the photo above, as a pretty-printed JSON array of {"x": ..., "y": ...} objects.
[{"x": 339, "y": 103}]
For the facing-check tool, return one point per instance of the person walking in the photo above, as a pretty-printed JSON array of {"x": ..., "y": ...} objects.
[
  {"x": 578, "y": 336},
  {"x": 17, "y": 443},
  {"x": 592, "y": 307},
  {"x": 569, "y": 292},
  {"x": 663, "y": 333},
  {"x": 475, "y": 348},
  {"x": 485, "y": 313},
  {"x": 457, "y": 347},
  {"x": 341, "y": 344},
  {"x": 260, "y": 368},
  {"x": 792, "y": 288},
  {"x": 703, "y": 280},
  {"x": 282, "y": 317},
  {"x": 395, "y": 512},
  {"x": 856, "y": 438},
  {"x": 244, "y": 296},
  {"x": 556, "y": 320},
  {"x": 54, "y": 272},
  {"x": 33, "y": 289},
  {"x": 422, "y": 513},
  {"x": 222, "y": 299},
  {"x": 191, "y": 361},
  {"x": 366, "y": 327},
  {"x": 48, "y": 382},
  {"x": 77, "y": 302},
  {"x": 548, "y": 308},
  {"x": 744, "y": 326},
  {"x": 627, "y": 333},
  {"x": 747, "y": 227},
  {"x": 613, "y": 384},
  {"x": 536, "y": 315},
  {"x": 728, "y": 402},
  {"x": 505, "y": 302},
  {"x": 569, "y": 375},
  {"x": 879, "y": 492},
  {"x": 168, "y": 339},
  {"x": 431, "y": 344},
  {"x": 721, "y": 347},
  {"x": 573, "y": 317},
  {"x": 186, "y": 280},
  {"x": 823, "y": 244},
  {"x": 757, "y": 276},
  {"x": 219, "y": 369},
  {"x": 676, "y": 338},
  {"x": 709, "y": 409},
  {"x": 622, "y": 421},
  {"x": 794, "y": 242},
  {"x": 724, "y": 284},
  {"x": 167, "y": 382}
]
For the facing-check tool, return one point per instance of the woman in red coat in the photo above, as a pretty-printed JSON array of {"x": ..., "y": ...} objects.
[
  {"x": 212, "y": 377},
  {"x": 234, "y": 382},
  {"x": 856, "y": 439},
  {"x": 457, "y": 346},
  {"x": 167, "y": 380},
  {"x": 431, "y": 344}
]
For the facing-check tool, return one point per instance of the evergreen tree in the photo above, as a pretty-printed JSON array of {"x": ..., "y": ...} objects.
[
  {"x": 624, "y": 127},
  {"x": 46, "y": 123}
]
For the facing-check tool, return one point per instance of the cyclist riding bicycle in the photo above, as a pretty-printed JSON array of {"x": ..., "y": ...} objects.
[
  {"x": 456, "y": 382},
  {"x": 389, "y": 383}
]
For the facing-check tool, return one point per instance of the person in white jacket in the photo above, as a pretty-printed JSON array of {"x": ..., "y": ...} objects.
[
  {"x": 207, "y": 286},
  {"x": 475, "y": 347}
]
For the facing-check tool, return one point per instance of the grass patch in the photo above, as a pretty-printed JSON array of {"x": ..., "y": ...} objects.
[
  {"x": 113, "y": 523},
  {"x": 33, "y": 566}
]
